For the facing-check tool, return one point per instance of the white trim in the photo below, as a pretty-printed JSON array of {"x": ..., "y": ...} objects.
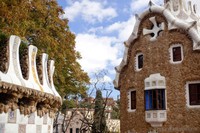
[
  {"x": 171, "y": 53},
  {"x": 129, "y": 101},
  {"x": 136, "y": 61},
  {"x": 187, "y": 94},
  {"x": 155, "y": 81},
  {"x": 156, "y": 117}
]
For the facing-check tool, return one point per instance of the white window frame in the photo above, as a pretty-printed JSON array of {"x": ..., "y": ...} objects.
[
  {"x": 129, "y": 100},
  {"x": 188, "y": 95},
  {"x": 136, "y": 61},
  {"x": 171, "y": 53},
  {"x": 156, "y": 117}
]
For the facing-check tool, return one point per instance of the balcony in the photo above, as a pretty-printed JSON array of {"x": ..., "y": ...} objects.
[{"x": 156, "y": 117}]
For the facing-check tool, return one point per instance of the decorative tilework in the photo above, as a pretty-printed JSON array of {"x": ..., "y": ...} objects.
[
  {"x": 45, "y": 119},
  {"x": 33, "y": 55},
  {"x": 39, "y": 129},
  {"x": 12, "y": 116},
  {"x": 49, "y": 129},
  {"x": 2, "y": 128},
  {"x": 15, "y": 60},
  {"x": 31, "y": 118},
  {"x": 22, "y": 128}
]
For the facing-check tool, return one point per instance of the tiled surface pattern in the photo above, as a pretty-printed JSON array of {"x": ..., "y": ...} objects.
[
  {"x": 31, "y": 118},
  {"x": 2, "y": 128},
  {"x": 14, "y": 122},
  {"x": 12, "y": 117}
]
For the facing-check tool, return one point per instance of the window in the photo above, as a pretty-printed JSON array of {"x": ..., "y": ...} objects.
[
  {"x": 155, "y": 99},
  {"x": 139, "y": 61},
  {"x": 77, "y": 130},
  {"x": 176, "y": 53},
  {"x": 194, "y": 94},
  {"x": 154, "y": 92},
  {"x": 131, "y": 100},
  {"x": 71, "y": 130}
]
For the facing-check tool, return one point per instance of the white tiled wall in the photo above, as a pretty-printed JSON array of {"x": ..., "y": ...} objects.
[{"x": 13, "y": 122}]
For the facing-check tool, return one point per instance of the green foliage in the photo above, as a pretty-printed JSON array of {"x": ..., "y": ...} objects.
[
  {"x": 99, "y": 125},
  {"x": 3, "y": 39},
  {"x": 68, "y": 104},
  {"x": 86, "y": 105},
  {"x": 38, "y": 22}
]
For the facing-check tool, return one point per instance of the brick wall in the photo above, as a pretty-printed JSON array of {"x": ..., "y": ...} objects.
[{"x": 157, "y": 60}]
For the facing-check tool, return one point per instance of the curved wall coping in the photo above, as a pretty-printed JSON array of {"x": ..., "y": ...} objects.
[{"x": 43, "y": 96}]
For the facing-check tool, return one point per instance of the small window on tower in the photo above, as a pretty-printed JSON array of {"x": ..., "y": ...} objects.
[
  {"x": 132, "y": 100},
  {"x": 139, "y": 61},
  {"x": 176, "y": 53},
  {"x": 193, "y": 94}
]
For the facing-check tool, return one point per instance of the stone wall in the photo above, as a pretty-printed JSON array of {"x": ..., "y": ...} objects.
[{"x": 157, "y": 60}]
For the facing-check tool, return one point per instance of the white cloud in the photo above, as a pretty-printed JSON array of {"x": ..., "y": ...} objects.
[
  {"x": 96, "y": 51},
  {"x": 124, "y": 28},
  {"x": 137, "y": 5},
  {"x": 95, "y": 29},
  {"x": 90, "y": 11}
]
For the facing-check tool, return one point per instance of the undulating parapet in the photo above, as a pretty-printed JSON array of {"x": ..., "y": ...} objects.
[{"x": 26, "y": 82}]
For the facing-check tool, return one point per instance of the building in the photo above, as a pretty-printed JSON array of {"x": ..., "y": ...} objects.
[
  {"x": 81, "y": 119},
  {"x": 76, "y": 120},
  {"x": 159, "y": 76}
]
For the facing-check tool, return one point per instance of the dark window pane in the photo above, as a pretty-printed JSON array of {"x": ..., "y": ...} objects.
[
  {"x": 194, "y": 94},
  {"x": 71, "y": 130},
  {"x": 140, "y": 61},
  {"x": 133, "y": 99},
  {"x": 149, "y": 100},
  {"x": 77, "y": 130},
  {"x": 155, "y": 99},
  {"x": 177, "y": 53}
]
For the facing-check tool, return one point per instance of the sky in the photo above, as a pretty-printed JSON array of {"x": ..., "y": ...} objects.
[{"x": 101, "y": 27}]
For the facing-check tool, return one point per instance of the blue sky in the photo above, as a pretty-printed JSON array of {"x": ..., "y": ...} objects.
[{"x": 101, "y": 27}]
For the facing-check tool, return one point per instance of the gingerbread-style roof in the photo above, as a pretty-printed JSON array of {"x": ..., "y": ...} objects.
[{"x": 178, "y": 16}]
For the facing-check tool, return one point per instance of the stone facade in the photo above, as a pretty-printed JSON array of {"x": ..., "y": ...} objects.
[{"x": 180, "y": 118}]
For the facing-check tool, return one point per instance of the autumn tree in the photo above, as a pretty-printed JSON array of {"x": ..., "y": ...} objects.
[{"x": 38, "y": 22}]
